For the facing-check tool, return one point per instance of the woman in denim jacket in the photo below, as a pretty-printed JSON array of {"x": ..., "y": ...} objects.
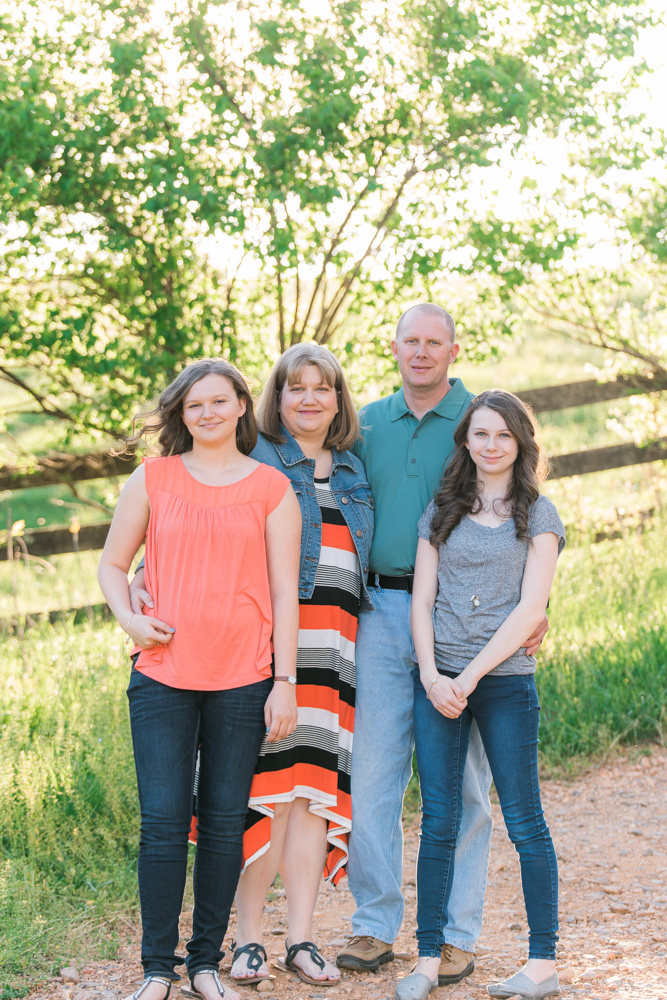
[{"x": 300, "y": 810}]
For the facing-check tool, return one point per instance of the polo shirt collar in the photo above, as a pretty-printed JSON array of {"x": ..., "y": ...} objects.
[{"x": 448, "y": 407}]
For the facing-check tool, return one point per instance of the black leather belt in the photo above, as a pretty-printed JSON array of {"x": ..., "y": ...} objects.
[{"x": 391, "y": 582}]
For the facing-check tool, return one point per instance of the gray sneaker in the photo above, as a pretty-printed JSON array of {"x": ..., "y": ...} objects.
[{"x": 519, "y": 985}]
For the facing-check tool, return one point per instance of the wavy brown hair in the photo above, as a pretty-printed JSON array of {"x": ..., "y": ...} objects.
[
  {"x": 459, "y": 494},
  {"x": 165, "y": 417}
]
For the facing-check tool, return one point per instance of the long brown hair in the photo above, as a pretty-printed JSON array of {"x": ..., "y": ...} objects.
[
  {"x": 165, "y": 417},
  {"x": 344, "y": 428},
  {"x": 459, "y": 495}
]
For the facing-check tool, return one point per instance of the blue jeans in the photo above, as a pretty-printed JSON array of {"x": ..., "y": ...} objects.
[
  {"x": 381, "y": 769},
  {"x": 506, "y": 711},
  {"x": 167, "y": 726}
]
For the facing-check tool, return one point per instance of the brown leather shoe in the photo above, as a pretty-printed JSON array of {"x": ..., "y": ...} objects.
[
  {"x": 365, "y": 953},
  {"x": 455, "y": 965}
]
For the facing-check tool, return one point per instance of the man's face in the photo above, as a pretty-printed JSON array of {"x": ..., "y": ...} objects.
[{"x": 424, "y": 353}]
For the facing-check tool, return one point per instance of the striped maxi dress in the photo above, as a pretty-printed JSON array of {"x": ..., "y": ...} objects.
[{"x": 314, "y": 762}]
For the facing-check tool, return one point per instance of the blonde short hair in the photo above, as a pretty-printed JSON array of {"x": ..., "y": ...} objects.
[{"x": 344, "y": 429}]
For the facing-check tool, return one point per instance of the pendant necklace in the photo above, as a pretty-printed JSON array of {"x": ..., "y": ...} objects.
[{"x": 474, "y": 600}]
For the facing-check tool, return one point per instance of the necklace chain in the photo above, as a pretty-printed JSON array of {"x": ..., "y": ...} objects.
[{"x": 475, "y": 600}]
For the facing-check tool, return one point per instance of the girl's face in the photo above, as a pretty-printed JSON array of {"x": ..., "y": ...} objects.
[
  {"x": 309, "y": 405},
  {"x": 492, "y": 446},
  {"x": 211, "y": 410}
]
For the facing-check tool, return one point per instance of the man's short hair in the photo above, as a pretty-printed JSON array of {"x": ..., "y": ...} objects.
[{"x": 426, "y": 309}]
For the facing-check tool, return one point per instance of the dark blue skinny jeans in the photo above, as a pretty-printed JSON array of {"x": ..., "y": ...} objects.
[
  {"x": 506, "y": 710},
  {"x": 168, "y": 724}
]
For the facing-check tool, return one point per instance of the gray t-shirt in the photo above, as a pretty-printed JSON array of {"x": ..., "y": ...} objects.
[{"x": 487, "y": 563}]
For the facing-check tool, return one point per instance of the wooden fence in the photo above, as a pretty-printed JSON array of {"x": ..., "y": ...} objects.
[{"x": 63, "y": 468}]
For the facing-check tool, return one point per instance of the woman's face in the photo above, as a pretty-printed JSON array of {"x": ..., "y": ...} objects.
[
  {"x": 309, "y": 405},
  {"x": 492, "y": 446},
  {"x": 211, "y": 410}
]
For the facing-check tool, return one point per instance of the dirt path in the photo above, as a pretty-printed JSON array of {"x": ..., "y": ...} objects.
[{"x": 610, "y": 831}]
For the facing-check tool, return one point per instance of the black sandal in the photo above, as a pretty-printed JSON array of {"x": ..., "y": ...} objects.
[
  {"x": 147, "y": 981},
  {"x": 256, "y": 958},
  {"x": 192, "y": 991},
  {"x": 317, "y": 958}
]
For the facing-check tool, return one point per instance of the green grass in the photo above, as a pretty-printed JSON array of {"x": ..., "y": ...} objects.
[
  {"x": 604, "y": 677},
  {"x": 61, "y": 581},
  {"x": 68, "y": 813}
]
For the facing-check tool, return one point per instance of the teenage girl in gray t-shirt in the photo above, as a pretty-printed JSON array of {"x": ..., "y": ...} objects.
[{"x": 485, "y": 563}]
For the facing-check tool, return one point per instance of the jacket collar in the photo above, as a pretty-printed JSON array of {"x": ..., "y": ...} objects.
[{"x": 291, "y": 454}]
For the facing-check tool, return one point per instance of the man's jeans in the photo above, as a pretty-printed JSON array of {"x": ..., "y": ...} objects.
[
  {"x": 381, "y": 769},
  {"x": 167, "y": 725},
  {"x": 507, "y": 713}
]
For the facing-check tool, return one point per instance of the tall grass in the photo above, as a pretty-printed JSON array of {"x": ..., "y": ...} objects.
[
  {"x": 68, "y": 815},
  {"x": 604, "y": 676}
]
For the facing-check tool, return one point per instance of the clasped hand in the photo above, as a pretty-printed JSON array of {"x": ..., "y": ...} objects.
[{"x": 448, "y": 697}]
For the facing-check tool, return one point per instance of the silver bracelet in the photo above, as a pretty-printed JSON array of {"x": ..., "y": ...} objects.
[
  {"x": 434, "y": 681},
  {"x": 128, "y": 622}
]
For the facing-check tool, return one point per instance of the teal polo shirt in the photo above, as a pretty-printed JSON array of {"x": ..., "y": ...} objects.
[{"x": 404, "y": 459}]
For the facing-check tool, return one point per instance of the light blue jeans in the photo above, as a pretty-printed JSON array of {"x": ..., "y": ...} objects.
[{"x": 381, "y": 769}]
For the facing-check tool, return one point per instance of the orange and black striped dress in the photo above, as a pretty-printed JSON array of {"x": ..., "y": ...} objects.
[{"x": 314, "y": 762}]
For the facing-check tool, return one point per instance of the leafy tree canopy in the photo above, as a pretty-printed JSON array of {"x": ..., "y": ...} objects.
[{"x": 238, "y": 175}]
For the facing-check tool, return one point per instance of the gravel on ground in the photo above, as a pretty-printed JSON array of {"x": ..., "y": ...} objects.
[{"x": 610, "y": 831}]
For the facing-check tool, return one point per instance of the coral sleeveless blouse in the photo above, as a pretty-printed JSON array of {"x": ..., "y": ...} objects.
[{"x": 206, "y": 569}]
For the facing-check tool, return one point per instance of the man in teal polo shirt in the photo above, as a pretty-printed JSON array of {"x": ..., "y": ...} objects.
[{"x": 408, "y": 439}]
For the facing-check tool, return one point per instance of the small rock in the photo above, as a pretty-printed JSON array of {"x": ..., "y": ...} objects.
[
  {"x": 70, "y": 974},
  {"x": 515, "y": 927},
  {"x": 566, "y": 975},
  {"x": 659, "y": 936},
  {"x": 637, "y": 833},
  {"x": 612, "y": 981},
  {"x": 403, "y": 956},
  {"x": 619, "y": 908},
  {"x": 648, "y": 853},
  {"x": 278, "y": 931},
  {"x": 265, "y": 987}
]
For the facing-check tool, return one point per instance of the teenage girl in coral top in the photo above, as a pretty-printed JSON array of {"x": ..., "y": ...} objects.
[{"x": 222, "y": 536}]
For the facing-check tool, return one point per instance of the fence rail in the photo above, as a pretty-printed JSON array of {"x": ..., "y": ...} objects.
[
  {"x": 67, "y": 468},
  {"x": 50, "y": 541}
]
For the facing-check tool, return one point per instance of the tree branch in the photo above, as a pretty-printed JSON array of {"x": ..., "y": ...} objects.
[
  {"x": 53, "y": 411},
  {"x": 322, "y": 333},
  {"x": 337, "y": 239}
]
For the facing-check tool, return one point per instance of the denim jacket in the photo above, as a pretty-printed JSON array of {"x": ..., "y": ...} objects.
[{"x": 351, "y": 493}]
